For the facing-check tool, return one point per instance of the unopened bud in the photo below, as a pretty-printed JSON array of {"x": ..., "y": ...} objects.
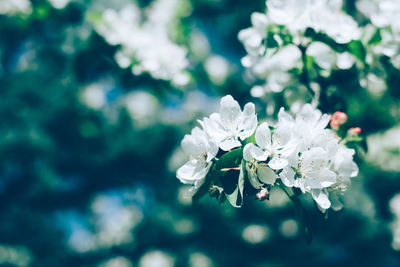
[
  {"x": 263, "y": 194},
  {"x": 337, "y": 119},
  {"x": 215, "y": 191},
  {"x": 354, "y": 131},
  {"x": 334, "y": 124},
  {"x": 341, "y": 117}
]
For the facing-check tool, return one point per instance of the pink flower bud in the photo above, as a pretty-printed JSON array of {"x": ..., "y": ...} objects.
[
  {"x": 341, "y": 117},
  {"x": 334, "y": 124},
  {"x": 354, "y": 131},
  {"x": 263, "y": 194}
]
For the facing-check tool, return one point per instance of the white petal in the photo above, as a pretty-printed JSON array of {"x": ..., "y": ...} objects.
[
  {"x": 336, "y": 204},
  {"x": 348, "y": 168},
  {"x": 214, "y": 128},
  {"x": 230, "y": 111},
  {"x": 263, "y": 136},
  {"x": 316, "y": 153},
  {"x": 328, "y": 178},
  {"x": 249, "y": 121},
  {"x": 290, "y": 149},
  {"x": 246, "y": 152},
  {"x": 323, "y": 121},
  {"x": 320, "y": 179},
  {"x": 212, "y": 150},
  {"x": 284, "y": 117},
  {"x": 266, "y": 174},
  {"x": 277, "y": 163},
  {"x": 321, "y": 198},
  {"x": 192, "y": 146},
  {"x": 254, "y": 152},
  {"x": 192, "y": 171},
  {"x": 287, "y": 177},
  {"x": 229, "y": 144}
]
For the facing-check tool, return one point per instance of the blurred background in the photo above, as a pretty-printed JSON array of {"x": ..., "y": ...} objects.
[{"x": 95, "y": 97}]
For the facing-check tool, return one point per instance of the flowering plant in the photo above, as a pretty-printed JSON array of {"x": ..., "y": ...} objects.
[{"x": 233, "y": 156}]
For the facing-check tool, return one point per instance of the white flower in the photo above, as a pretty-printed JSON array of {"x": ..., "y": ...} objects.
[
  {"x": 314, "y": 172},
  {"x": 252, "y": 37},
  {"x": 344, "y": 165},
  {"x": 274, "y": 66},
  {"x": 315, "y": 175},
  {"x": 310, "y": 126},
  {"x": 323, "y": 16},
  {"x": 394, "y": 205},
  {"x": 345, "y": 168},
  {"x": 279, "y": 146},
  {"x": 316, "y": 164},
  {"x": 231, "y": 124},
  {"x": 13, "y": 7},
  {"x": 147, "y": 45},
  {"x": 201, "y": 150}
]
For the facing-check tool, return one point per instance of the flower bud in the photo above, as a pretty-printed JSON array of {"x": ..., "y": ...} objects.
[
  {"x": 215, "y": 191},
  {"x": 334, "y": 124},
  {"x": 263, "y": 194},
  {"x": 337, "y": 119},
  {"x": 354, "y": 131},
  {"x": 341, "y": 117}
]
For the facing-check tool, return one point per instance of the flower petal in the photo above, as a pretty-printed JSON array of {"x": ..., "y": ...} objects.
[
  {"x": 287, "y": 177},
  {"x": 277, "y": 163},
  {"x": 258, "y": 153},
  {"x": 284, "y": 117},
  {"x": 336, "y": 204},
  {"x": 246, "y": 152},
  {"x": 321, "y": 198},
  {"x": 249, "y": 122},
  {"x": 214, "y": 127},
  {"x": 266, "y": 174},
  {"x": 228, "y": 144},
  {"x": 192, "y": 145},
  {"x": 230, "y": 111},
  {"x": 192, "y": 171},
  {"x": 212, "y": 150},
  {"x": 263, "y": 136}
]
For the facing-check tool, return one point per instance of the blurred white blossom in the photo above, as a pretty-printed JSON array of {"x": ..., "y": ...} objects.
[
  {"x": 13, "y": 7},
  {"x": 146, "y": 42},
  {"x": 384, "y": 149},
  {"x": 325, "y": 16},
  {"x": 278, "y": 47},
  {"x": 394, "y": 205}
]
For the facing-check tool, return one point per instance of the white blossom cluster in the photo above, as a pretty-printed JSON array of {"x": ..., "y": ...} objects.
[
  {"x": 285, "y": 23},
  {"x": 394, "y": 205},
  {"x": 145, "y": 41},
  {"x": 13, "y": 7},
  {"x": 298, "y": 152},
  {"x": 384, "y": 16}
]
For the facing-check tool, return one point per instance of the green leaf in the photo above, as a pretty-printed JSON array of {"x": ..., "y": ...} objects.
[
  {"x": 358, "y": 50},
  {"x": 251, "y": 139},
  {"x": 230, "y": 159},
  {"x": 302, "y": 217},
  {"x": 236, "y": 197},
  {"x": 94, "y": 17},
  {"x": 375, "y": 38}
]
